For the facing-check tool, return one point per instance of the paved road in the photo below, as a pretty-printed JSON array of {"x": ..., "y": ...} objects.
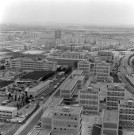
[{"x": 32, "y": 123}]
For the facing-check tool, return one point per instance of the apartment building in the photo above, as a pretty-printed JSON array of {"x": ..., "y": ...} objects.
[
  {"x": 7, "y": 112},
  {"x": 126, "y": 113},
  {"x": 29, "y": 64},
  {"x": 102, "y": 71},
  {"x": 85, "y": 66},
  {"x": 110, "y": 122},
  {"x": 66, "y": 120},
  {"x": 89, "y": 100},
  {"x": 115, "y": 93},
  {"x": 69, "y": 88}
]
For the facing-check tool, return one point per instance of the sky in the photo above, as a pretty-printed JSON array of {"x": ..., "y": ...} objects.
[{"x": 89, "y": 12}]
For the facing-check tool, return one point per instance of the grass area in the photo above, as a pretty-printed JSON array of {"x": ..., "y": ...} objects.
[
  {"x": 115, "y": 77},
  {"x": 35, "y": 75},
  {"x": 5, "y": 83}
]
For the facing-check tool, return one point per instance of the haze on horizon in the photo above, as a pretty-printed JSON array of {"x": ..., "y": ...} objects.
[{"x": 89, "y": 12}]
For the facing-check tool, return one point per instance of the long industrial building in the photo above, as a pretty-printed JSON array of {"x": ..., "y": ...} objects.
[
  {"x": 29, "y": 64},
  {"x": 38, "y": 89}
]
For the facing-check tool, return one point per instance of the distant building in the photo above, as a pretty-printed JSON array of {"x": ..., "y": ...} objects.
[
  {"x": 66, "y": 120},
  {"x": 64, "y": 61},
  {"x": 29, "y": 64},
  {"x": 106, "y": 56},
  {"x": 126, "y": 113},
  {"x": 57, "y": 34},
  {"x": 110, "y": 123},
  {"x": 115, "y": 93},
  {"x": 89, "y": 100},
  {"x": 7, "y": 112},
  {"x": 73, "y": 55}
]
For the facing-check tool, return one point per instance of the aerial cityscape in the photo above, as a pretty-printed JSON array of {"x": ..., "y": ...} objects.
[{"x": 66, "y": 77}]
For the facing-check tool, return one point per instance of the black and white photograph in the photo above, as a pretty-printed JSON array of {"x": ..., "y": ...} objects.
[{"x": 66, "y": 67}]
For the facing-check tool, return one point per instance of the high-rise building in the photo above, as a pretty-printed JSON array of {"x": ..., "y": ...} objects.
[
  {"x": 89, "y": 100},
  {"x": 115, "y": 93},
  {"x": 66, "y": 120},
  {"x": 110, "y": 122}
]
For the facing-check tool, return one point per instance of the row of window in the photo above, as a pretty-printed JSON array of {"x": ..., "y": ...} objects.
[
  {"x": 88, "y": 102},
  {"x": 89, "y": 96},
  {"x": 126, "y": 111},
  {"x": 5, "y": 112},
  {"x": 65, "y": 115}
]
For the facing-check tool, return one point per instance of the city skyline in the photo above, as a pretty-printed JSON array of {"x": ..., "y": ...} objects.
[{"x": 92, "y": 12}]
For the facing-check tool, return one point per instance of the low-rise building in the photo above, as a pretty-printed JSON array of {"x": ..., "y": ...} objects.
[
  {"x": 115, "y": 93},
  {"x": 38, "y": 89},
  {"x": 66, "y": 120},
  {"x": 110, "y": 123},
  {"x": 126, "y": 113},
  {"x": 89, "y": 100},
  {"x": 29, "y": 64},
  {"x": 68, "y": 89},
  {"x": 7, "y": 112}
]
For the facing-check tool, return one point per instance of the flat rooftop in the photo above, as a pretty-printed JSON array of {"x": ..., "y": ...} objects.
[
  {"x": 68, "y": 109},
  {"x": 117, "y": 85},
  {"x": 69, "y": 84},
  {"x": 127, "y": 102},
  {"x": 78, "y": 72},
  {"x": 111, "y": 116},
  {"x": 6, "y": 108},
  {"x": 39, "y": 86},
  {"x": 81, "y": 78},
  {"x": 90, "y": 89}
]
